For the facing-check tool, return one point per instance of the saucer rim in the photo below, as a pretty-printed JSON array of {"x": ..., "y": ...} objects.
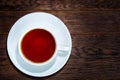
[{"x": 67, "y": 57}]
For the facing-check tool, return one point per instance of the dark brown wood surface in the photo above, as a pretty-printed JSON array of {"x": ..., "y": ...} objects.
[{"x": 95, "y": 29}]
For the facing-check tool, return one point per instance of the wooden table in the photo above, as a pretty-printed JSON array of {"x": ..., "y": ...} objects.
[{"x": 95, "y": 29}]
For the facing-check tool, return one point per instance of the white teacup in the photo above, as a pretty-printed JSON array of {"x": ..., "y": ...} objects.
[{"x": 36, "y": 44}]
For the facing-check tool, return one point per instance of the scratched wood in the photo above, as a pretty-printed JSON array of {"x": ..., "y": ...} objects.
[{"x": 95, "y": 29}]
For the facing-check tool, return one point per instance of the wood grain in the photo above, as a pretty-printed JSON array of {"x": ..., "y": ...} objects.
[
  {"x": 94, "y": 54},
  {"x": 79, "y": 22},
  {"x": 95, "y": 29},
  {"x": 6, "y": 5}
]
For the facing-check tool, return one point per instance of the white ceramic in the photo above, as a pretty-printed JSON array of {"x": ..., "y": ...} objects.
[
  {"x": 48, "y": 22},
  {"x": 58, "y": 47}
]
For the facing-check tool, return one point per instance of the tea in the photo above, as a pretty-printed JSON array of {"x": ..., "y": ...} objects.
[{"x": 38, "y": 45}]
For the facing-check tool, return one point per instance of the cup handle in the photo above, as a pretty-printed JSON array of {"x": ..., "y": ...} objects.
[{"x": 62, "y": 49}]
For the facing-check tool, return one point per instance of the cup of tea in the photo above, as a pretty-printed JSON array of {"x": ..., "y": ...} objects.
[{"x": 38, "y": 46}]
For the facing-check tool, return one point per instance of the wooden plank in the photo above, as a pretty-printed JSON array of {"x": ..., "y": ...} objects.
[
  {"x": 79, "y": 22},
  {"x": 3, "y": 41},
  {"x": 38, "y": 5},
  {"x": 24, "y": 5},
  {"x": 99, "y": 41}
]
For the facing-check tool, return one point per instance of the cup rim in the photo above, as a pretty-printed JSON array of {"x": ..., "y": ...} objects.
[{"x": 27, "y": 60}]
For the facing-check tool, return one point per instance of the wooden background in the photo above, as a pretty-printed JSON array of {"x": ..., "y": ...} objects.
[{"x": 95, "y": 29}]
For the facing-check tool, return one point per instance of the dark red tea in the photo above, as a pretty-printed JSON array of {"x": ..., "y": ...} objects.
[{"x": 38, "y": 45}]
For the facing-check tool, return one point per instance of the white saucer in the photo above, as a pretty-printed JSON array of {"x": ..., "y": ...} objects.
[{"x": 41, "y": 20}]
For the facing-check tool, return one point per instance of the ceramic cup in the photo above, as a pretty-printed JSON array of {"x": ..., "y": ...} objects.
[{"x": 29, "y": 46}]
